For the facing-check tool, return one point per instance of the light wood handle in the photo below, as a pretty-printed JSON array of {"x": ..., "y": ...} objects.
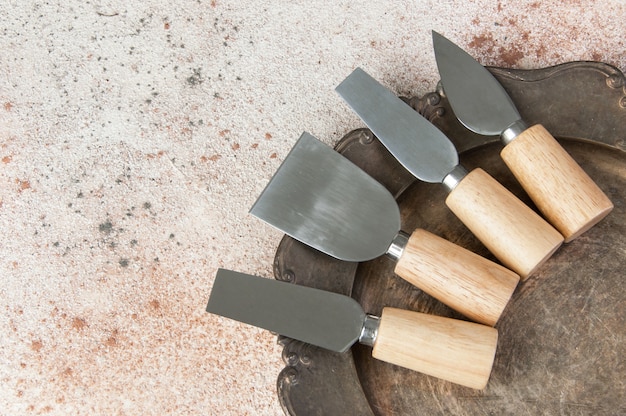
[
  {"x": 560, "y": 188},
  {"x": 513, "y": 232},
  {"x": 476, "y": 287},
  {"x": 453, "y": 350}
]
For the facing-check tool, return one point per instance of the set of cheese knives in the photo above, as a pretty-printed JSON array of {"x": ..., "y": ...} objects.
[{"x": 325, "y": 201}]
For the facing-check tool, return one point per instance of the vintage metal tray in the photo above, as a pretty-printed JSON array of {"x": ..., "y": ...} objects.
[{"x": 561, "y": 348}]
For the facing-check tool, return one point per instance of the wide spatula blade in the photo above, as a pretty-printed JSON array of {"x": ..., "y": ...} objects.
[{"x": 320, "y": 198}]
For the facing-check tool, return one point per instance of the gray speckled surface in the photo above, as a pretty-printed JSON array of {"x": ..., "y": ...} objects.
[{"x": 133, "y": 141}]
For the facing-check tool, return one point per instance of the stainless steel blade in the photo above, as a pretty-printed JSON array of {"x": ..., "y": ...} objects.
[
  {"x": 328, "y": 320},
  {"x": 320, "y": 198},
  {"x": 476, "y": 97},
  {"x": 418, "y": 145}
]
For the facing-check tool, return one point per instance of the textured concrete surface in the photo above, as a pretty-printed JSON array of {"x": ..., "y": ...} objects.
[{"x": 133, "y": 141}]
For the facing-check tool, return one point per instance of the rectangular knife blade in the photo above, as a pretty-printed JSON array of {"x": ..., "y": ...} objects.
[
  {"x": 418, "y": 145},
  {"x": 328, "y": 320}
]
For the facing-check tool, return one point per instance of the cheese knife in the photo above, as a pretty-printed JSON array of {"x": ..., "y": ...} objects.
[
  {"x": 561, "y": 189},
  {"x": 457, "y": 351},
  {"x": 322, "y": 199},
  {"x": 514, "y": 233}
]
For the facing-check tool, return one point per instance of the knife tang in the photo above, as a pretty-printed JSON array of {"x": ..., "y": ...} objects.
[
  {"x": 513, "y": 232},
  {"x": 560, "y": 188},
  {"x": 458, "y": 351}
]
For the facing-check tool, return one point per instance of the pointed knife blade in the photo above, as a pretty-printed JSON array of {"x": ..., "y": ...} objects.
[
  {"x": 478, "y": 100},
  {"x": 328, "y": 320},
  {"x": 418, "y": 145}
]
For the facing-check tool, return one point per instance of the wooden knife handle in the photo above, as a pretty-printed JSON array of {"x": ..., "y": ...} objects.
[
  {"x": 476, "y": 287},
  {"x": 513, "y": 232},
  {"x": 560, "y": 188},
  {"x": 457, "y": 351}
]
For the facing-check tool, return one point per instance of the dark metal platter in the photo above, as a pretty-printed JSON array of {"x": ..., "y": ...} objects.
[{"x": 562, "y": 340}]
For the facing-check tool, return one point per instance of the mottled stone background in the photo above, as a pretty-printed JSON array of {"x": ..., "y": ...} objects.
[{"x": 135, "y": 138}]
